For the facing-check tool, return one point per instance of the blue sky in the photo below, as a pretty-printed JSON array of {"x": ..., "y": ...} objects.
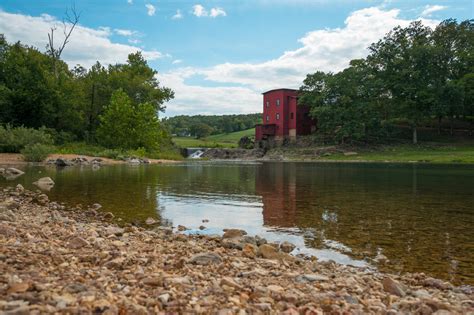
[{"x": 219, "y": 56}]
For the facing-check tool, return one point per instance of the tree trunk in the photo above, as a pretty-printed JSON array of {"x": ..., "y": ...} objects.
[
  {"x": 439, "y": 125},
  {"x": 451, "y": 125},
  {"x": 415, "y": 135}
]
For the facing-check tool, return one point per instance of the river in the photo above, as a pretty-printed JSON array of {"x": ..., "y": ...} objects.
[{"x": 420, "y": 216}]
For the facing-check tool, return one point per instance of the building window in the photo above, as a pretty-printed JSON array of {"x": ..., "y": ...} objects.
[
  {"x": 278, "y": 102},
  {"x": 267, "y": 118},
  {"x": 278, "y": 116},
  {"x": 267, "y": 103},
  {"x": 291, "y": 116}
]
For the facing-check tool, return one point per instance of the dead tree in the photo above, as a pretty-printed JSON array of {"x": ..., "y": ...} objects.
[{"x": 69, "y": 22}]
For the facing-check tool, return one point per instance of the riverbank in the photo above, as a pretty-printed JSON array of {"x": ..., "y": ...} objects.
[
  {"x": 17, "y": 159},
  {"x": 55, "y": 258}
]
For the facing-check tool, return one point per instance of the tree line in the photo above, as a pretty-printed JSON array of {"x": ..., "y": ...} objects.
[
  {"x": 201, "y": 126},
  {"x": 115, "y": 106},
  {"x": 413, "y": 75}
]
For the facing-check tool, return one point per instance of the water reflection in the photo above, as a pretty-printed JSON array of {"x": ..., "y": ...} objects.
[{"x": 419, "y": 216}]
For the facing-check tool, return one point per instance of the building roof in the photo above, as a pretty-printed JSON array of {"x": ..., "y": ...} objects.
[{"x": 281, "y": 89}]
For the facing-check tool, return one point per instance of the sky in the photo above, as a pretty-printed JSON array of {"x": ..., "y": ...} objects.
[{"x": 220, "y": 55}]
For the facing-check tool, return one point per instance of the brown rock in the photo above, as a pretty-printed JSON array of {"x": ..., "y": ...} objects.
[
  {"x": 77, "y": 242},
  {"x": 230, "y": 283},
  {"x": 150, "y": 221},
  {"x": 231, "y": 233},
  {"x": 153, "y": 281},
  {"x": 250, "y": 250},
  {"x": 109, "y": 215},
  {"x": 18, "y": 287},
  {"x": 182, "y": 228},
  {"x": 287, "y": 247},
  {"x": 267, "y": 251},
  {"x": 205, "y": 259},
  {"x": 393, "y": 287}
]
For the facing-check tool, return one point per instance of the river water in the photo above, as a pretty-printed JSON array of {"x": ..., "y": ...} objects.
[{"x": 421, "y": 217}]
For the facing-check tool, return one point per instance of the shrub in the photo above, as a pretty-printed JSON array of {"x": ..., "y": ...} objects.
[
  {"x": 13, "y": 140},
  {"x": 36, "y": 152}
]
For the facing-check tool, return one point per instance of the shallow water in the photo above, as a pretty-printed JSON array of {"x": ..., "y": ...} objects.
[{"x": 420, "y": 216}]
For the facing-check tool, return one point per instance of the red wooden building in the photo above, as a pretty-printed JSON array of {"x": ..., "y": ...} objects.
[{"x": 283, "y": 118}]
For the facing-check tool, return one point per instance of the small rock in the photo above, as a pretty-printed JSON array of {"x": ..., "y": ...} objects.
[
  {"x": 250, "y": 250},
  {"x": 230, "y": 283},
  {"x": 205, "y": 221},
  {"x": 310, "y": 278},
  {"x": 164, "y": 298},
  {"x": 96, "y": 206},
  {"x": 232, "y": 233},
  {"x": 382, "y": 259},
  {"x": 267, "y": 251},
  {"x": 287, "y": 247},
  {"x": 62, "y": 162},
  {"x": 20, "y": 188},
  {"x": 205, "y": 259},
  {"x": 260, "y": 240},
  {"x": 202, "y": 227},
  {"x": 109, "y": 215},
  {"x": 393, "y": 287},
  {"x": 182, "y": 228},
  {"x": 150, "y": 221},
  {"x": 437, "y": 283},
  {"x": 77, "y": 242},
  {"x": 11, "y": 171},
  {"x": 18, "y": 287},
  {"x": 153, "y": 281}
]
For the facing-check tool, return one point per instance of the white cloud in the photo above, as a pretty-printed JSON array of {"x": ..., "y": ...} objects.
[
  {"x": 430, "y": 9},
  {"x": 130, "y": 1},
  {"x": 123, "y": 32},
  {"x": 134, "y": 41},
  {"x": 215, "y": 12},
  {"x": 199, "y": 10},
  {"x": 324, "y": 49},
  {"x": 86, "y": 46},
  {"x": 150, "y": 9},
  {"x": 177, "y": 61},
  {"x": 178, "y": 15}
]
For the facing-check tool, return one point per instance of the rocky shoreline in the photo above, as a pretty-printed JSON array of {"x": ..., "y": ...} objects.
[{"x": 58, "y": 259}]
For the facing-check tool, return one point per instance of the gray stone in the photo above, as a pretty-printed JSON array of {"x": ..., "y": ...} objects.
[
  {"x": 205, "y": 259},
  {"x": 310, "y": 278},
  {"x": 287, "y": 247},
  {"x": 393, "y": 287}
]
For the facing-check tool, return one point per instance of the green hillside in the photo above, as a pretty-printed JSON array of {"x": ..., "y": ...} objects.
[{"x": 225, "y": 140}]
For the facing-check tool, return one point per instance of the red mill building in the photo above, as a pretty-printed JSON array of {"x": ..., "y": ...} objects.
[{"x": 282, "y": 117}]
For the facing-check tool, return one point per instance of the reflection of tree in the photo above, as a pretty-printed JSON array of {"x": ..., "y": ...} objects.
[{"x": 372, "y": 208}]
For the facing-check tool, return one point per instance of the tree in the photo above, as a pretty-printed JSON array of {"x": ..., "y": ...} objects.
[
  {"x": 127, "y": 126},
  {"x": 201, "y": 130},
  {"x": 403, "y": 58},
  {"x": 68, "y": 24}
]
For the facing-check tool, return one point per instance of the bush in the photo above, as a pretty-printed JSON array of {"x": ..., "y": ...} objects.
[
  {"x": 36, "y": 152},
  {"x": 13, "y": 140}
]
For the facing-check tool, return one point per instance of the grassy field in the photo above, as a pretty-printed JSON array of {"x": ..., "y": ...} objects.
[
  {"x": 458, "y": 153},
  {"x": 225, "y": 140},
  {"x": 410, "y": 153}
]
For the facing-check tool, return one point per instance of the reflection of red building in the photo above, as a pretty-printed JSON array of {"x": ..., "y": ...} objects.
[
  {"x": 278, "y": 190},
  {"x": 283, "y": 117}
]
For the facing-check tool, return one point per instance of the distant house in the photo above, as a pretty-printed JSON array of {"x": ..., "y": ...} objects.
[{"x": 283, "y": 118}]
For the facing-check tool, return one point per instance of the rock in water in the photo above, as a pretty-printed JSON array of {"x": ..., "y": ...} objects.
[
  {"x": 393, "y": 287},
  {"x": 44, "y": 183},
  {"x": 206, "y": 259},
  {"x": 12, "y": 173},
  {"x": 150, "y": 221},
  {"x": 287, "y": 247}
]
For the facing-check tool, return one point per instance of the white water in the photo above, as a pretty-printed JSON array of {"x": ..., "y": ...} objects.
[{"x": 197, "y": 154}]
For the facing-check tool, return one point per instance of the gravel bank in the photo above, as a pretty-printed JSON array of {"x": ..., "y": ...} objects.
[{"x": 67, "y": 260}]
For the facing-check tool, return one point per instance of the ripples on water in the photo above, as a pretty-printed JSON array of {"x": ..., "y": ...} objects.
[{"x": 420, "y": 216}]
